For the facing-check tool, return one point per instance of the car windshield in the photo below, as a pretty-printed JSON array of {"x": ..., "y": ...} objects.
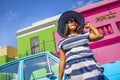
[{"x": 34, "y": 68}]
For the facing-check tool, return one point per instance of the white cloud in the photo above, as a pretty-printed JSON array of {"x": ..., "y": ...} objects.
[
  {"x": 90, "y": 2},
  {"x": 11, "y": 15},
  {"x": 78, "y": 4},
  {"x": 26, "y": 22},
  {"x": 73, "y": 6},
  {"x": 81, "y": 3}
]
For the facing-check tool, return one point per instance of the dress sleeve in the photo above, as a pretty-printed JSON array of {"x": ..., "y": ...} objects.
[
  {"x": 87, "y": 35},
  {"x": 60, "y": 44}
]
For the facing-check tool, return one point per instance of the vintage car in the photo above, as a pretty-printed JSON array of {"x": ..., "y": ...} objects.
[{"x": 44, "y": 66}]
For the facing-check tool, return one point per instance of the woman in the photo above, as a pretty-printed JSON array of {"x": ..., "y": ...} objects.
[{"x": 76, "y": 58}]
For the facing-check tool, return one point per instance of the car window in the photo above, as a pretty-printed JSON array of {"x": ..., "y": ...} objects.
[
  {"x": 54, "y": 65},
  {"x": 37, "y": 74},
  {"x": 9, "y": 72}
]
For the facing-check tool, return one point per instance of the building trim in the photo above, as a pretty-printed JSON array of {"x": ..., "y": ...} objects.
[
  {"x": 104, "y": 43},
  {"x": 31, "y": 32}
]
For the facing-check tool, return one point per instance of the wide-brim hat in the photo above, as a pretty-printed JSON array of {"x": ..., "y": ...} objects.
[{"x": 63, "y": 20}]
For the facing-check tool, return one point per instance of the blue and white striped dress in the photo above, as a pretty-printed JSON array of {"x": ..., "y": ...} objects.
[{"x": 80, "y": 63}]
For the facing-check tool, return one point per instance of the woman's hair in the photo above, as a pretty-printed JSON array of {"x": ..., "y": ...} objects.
[{"x": 79, "y": 30}]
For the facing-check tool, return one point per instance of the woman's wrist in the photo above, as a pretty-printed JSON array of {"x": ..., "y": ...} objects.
[
  {"x": 88, "y": 25},
  {"x": 91, "y": 26}
]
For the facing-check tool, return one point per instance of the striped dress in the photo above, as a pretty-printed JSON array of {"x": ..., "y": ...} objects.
[{"x": 80, "y": 63}]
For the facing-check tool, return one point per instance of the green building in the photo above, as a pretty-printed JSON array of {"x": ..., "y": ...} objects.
[{"x": 37, "y": 38}]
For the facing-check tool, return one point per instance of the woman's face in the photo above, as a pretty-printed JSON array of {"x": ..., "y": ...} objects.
[{"x": 72, "y": 24}]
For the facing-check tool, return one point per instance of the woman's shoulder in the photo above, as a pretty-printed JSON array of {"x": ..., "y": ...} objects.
[
  {"x": 61, "y": 40},
  {"x": 60, "y": 43}
]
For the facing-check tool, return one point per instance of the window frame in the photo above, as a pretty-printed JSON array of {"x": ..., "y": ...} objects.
[{"x": 33, "y": 47}]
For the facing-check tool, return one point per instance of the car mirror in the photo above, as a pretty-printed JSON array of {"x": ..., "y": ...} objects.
[{"x": 50, "y": 74}]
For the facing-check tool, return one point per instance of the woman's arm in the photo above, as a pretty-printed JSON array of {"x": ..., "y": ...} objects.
[
  {"x": 61, "y": 64},
  {"x": 95, "y": 34}
]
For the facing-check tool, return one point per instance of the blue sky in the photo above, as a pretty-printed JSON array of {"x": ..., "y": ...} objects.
[{"x": 18, "y": 14}]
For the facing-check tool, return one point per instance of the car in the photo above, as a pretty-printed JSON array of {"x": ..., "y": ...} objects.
[
  {"x": 44, "y": 66},
  {"x": 41, "y": 66}
]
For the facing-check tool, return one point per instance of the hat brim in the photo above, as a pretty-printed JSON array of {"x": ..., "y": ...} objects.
[{"x": 63, "y": 20}]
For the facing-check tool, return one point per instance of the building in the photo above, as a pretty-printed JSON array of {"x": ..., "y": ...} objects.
[
  {"x": 7, "y": 53},
  {"x": 105, "y": 15},
  {"x": 37, "y": 38}
]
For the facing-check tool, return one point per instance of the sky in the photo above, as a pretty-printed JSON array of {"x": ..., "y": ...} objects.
[{"x": 19, "y": 14}]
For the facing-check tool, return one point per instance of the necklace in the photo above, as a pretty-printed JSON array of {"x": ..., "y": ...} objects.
[{"x": 71, "y": 35}]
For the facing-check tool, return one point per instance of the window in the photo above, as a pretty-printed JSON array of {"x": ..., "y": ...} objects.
[
  {"x": 40, "y": 68},
  {"x": 106, "y": 29},
  {"x": 118, "y": 25},
  {"x": 35, "y": 45},
  {"x": 35, "y": 68},
  {"x": 54, "y": 65},
  {"x": 9, "y": 72}
]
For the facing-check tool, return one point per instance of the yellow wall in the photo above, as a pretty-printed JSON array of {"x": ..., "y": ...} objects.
[
  {"x": 3, "y": 51},
  {"x": 8, "y": 50}
]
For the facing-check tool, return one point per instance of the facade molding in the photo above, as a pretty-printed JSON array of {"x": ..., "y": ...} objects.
[{"x": 33, "y": 31}]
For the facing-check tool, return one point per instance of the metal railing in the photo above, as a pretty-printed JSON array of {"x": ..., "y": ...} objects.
[{"x": 43, "y": 47}]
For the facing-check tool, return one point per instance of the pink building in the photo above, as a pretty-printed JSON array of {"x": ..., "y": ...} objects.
[{"x": 104, "y": 15}]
